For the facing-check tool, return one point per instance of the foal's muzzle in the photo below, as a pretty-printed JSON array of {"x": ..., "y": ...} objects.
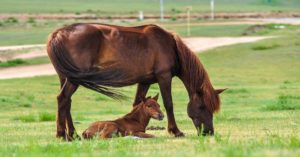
[{"x": 159, "y": 116}]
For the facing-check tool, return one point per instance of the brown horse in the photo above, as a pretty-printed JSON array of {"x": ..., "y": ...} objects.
[
  {"x": 133, "y": 123},
  {"x": 101, "y": 57}
]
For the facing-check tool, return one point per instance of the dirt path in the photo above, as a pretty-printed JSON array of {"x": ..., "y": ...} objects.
[{"x": 197, "y": 44}]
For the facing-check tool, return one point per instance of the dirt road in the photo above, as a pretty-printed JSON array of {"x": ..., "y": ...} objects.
[{"x": 197, "y": 44}]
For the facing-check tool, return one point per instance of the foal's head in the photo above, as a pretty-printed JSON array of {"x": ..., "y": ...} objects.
[{"x": 152, "y": 108}]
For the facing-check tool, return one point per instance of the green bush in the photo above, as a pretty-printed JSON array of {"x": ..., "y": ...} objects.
[
  {"x": 11, "y": 20},
  {"x": 31, "y": 20},
  {"x": 265, "y": 47}
]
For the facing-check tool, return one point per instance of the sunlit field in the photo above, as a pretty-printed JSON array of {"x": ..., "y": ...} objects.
[{"x": 260, "y": 113}]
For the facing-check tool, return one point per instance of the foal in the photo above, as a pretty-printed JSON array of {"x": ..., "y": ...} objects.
[{"x": 133, "y": 123}]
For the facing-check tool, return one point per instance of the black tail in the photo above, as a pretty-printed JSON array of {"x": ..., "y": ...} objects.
[{"x": 97, "y": 79}]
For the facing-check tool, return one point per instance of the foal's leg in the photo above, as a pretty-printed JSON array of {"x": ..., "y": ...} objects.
[
  {"x": 143, "y": 135},
  {"x": 108, "y": 131},
  {"x": 165, "y": 82},
  {"x": 64, "y": 106},
  {"x": 141, "y": 92}
]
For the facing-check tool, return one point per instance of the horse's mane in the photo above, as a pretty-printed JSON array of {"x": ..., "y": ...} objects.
[{"x": 195, "y": 76}]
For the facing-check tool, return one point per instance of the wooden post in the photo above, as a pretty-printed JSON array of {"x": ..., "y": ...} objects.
[
  {"x": 161, "y": 10},
  {"x": 188, "y": 20},
  {"x": 212, "y": 9}
]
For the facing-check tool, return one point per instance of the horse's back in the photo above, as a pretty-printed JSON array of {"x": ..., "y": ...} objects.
[{"x": 141, "y": 52}]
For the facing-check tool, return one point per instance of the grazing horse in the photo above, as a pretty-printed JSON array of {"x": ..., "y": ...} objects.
[
  {"x": 103, "y": 57},
  {"x": 133, "y": 123}
]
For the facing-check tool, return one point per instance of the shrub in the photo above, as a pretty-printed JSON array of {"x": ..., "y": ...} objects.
[
  {"x": 174, "y": 18},
  {"x": 265, "y": 47},
  {"x": 31, "y": 20},
  {"x": 12, "y": 63},
  {"x": 11, "y": 20}
]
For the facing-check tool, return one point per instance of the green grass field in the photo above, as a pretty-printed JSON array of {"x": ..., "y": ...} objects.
[
  {"x": 260, "y": 113},
  {"x": 108, "y": 7},
  {"x": 24, "y": 32}
]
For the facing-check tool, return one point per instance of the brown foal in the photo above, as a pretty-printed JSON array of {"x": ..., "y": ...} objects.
[{"x": 133, "y": 123}]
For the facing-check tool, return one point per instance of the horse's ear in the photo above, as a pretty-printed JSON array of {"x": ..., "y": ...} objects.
[
  {"x": 218, "y": 91},
  {"x": 156, "y": 97}
]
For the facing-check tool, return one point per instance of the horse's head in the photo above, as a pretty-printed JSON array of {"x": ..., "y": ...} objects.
[
  {"x": 201, "y": 112},
  {"x": 152, "y": 108}
]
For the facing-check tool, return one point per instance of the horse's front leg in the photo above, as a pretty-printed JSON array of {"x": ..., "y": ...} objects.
[
  {"x": 141, "y": 92},
  {"x": 64, "y": 120},
  {"x": 165, "y": 82}
]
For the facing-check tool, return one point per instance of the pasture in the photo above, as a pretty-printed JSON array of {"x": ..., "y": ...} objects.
[
  {"x": 107, "y": 7},
  {"x": 31, "y": 31},
  {"x": 260, "y": 112}
]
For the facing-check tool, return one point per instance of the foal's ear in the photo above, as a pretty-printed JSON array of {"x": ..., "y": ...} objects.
[
  {"x": 156, "y": 97},
  {"x": 145, "y": 99},
  {"x": 218, "y": 91}
]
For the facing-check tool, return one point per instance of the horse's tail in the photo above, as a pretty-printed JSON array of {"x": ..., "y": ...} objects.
[
  {"x": 192, "y": 68},
  {"x": 98, "y": 79}
]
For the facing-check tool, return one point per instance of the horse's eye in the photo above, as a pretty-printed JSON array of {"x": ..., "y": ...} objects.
[{"x": 202, "y": 107}]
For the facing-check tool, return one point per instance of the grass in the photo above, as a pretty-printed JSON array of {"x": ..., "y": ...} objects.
[
  {"x": 40, "y": 117},
  {"x": 32, "y": 31},
  {"x": 105, "y": 7},
  {"x": 22, "y": 62},
  {"x": 252, "y": 121},
  {"x": 11, "y": 63},
  {"x": 28, "y": 32}
]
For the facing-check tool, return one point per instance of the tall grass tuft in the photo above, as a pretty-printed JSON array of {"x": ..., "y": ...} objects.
[
  {"x": 40, "y": 117},
  {"x": 284, "y": 102},
  {"x": 45, "y": 116},
  {"x": 26, "y": 118}
]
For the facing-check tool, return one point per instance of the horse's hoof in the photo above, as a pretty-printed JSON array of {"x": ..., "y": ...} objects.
[
  {"x": 179, "y": 134},
  {"x": 76, "y": 137}
]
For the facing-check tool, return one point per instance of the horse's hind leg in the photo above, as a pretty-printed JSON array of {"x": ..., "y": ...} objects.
[
  {"x": 72, "y": 134},
  {"x": 141, "y": 92},
  {"x": 63, "y": 112}
]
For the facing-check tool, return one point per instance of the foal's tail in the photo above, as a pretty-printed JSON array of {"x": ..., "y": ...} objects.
[{"x": 97, "y": 79}]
